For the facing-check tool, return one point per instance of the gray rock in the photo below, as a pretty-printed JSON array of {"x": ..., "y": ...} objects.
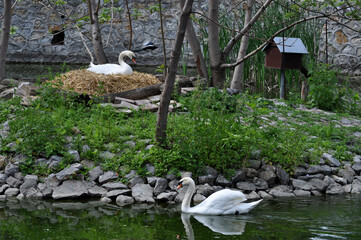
[
  {"x": 167, "y": 196},
  {"x": 152, "y": 181},
  {"x": 70, "y": 189},
  {"x": 207, "y": 179},
  {"x": 210, "y": 171},
  {"x": 347, "y": 173},
  {"x": 318, "y": 185},
  {"x": 282, "y": 191},
  {"x": 97, "y": 191},
  {"x": 282, "y": 175},
  {"x": 2, "y": 198},
  {"x": 95, "y": 173},
  {"x": 332, "y": 162},
  {"x": 150, "y": 169},
  {"x": 302, "y": 193},
  {"x": 299, "y": 171},
  {"x": 75, "y": 155},
  {"x": 314, "y": 169},
  {"x": 114, "y": 186},
  {"x": 160, "y": 186},
  {"x": 107, "y": 176},
  {"x": 198, "y": 198},
  {"x": 357, "y": 168},
  {"x": 205, "y": 190},
  {"x": 130, "y": 144},
  {"x": 105, "y": 200},
  {"x": 13, "y": 182},
  {"x": 3, "y": 188},
  {"x": 173, "y": 184},
  {"x": 356, "y": 186},
  {"x": 301, "y": 184},
  {"x": 339, "y": 180},
  {"x": 136, "y": 180},
  {"x": 335, "y": 189},
  {"x": 222, "y": 181},
  {"x": 329, "y": 180},
  {"x": 33, "y": 193},
  {"x": 252, "y": 196},
  {"x": 265, "y": 195},
  {"x": 68, "y": 172},
  {"x": 123, "y": 200},
  {"x": 85, "y": 148},
  {"x": 45, "y": 190},
  {"x": 250, "y": 172},
  {"x": 29, "y": 183},
  {"x": 269, "y": 176},
  {"x": 255, "y": 164},
  {"x": 246, "y": 186},
  {"x": 11, "y": 169},
  {"x": 239, "y": 176},
  {"x": 11, "y": 192},
  {"x": 143, "y": 193},
  {"x": 115, "y": 193},
  {"x": 3, "y": 178},
  {"x": 52, "y": 181},
  {"x": 309, "y": 177},
  {"x": 326, "y": 170},
  {"x": 260, "y": 183},
  {"x": 347, "y": 188},
  {"x": 20, "y": 196}
]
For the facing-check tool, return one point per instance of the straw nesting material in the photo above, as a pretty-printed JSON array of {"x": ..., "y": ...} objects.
[{"x": 83, "y": 81}]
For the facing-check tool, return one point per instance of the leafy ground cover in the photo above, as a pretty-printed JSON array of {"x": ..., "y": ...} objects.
[{"x": 212, "y": 128}]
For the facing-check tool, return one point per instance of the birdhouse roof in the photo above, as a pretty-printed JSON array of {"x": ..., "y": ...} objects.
[{"x": 291, "y": 45}]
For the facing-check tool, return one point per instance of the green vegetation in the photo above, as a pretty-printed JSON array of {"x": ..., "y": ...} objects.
[{"x": 212, "y": 128}]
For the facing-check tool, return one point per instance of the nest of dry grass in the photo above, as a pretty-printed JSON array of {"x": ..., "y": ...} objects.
[{"x": 83, "y": 81}]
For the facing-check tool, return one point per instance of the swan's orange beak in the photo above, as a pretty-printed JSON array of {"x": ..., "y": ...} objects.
[
  {"x": 133, "y": 59},
  {"x": 179, "y": 186}
]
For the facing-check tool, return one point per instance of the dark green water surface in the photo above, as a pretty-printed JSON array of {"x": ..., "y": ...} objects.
[{"x": 335, "y": 217}]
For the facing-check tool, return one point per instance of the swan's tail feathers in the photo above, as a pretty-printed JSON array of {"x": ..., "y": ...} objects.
[
  {"x": 254, "y": 204},
  {"x": 246, "y": 207},
  {"x": 92, "y": 65}
]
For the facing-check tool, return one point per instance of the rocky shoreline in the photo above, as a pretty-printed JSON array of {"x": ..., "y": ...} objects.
[{"x": 85, "y": 179}]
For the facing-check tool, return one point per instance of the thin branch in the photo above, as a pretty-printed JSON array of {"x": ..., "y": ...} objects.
[
  {"x": 130, "y": 25},
  {"x": 111, "y": 23},
  {"x": 230, "y": 65},
  {"x": 86, "y": 47}
]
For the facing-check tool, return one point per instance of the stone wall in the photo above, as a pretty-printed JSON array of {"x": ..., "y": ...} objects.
[
  {"x": 35, "y": 23},
  {"x": 343, "y": 46}
]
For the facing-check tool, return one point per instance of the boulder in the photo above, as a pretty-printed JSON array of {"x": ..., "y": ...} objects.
[
  {"x": 97, "y": 191},
  {"x": 33, "y": 193},
  {"x": 3, "y": 188},
  {"x": 347, "y": 173},
  {"x": 207, "y": 179},
  {"x": 70, "y": 189},
  {"x": 152, "y": 181},
  {"x": 282, "y": 175},
  {"x": 160, "y": 186},
  {"x": 222, "y": 181},
  {"x": 301, "y": 193},
  {"x": 264, "y": 195},
  {"x": 300, "y": 184},
  {"x": 246, "y": 186},
  {"x": 3, "y": 178},
  {"x": 11, "y": 169},
  {"x": 252, "y": 196},
  {"x": 239, "y": 176},
  {"x": 299, "y": 171},
  {"x": 269, "y": 176},
  {"x": 167, "y": 196},
  {"x": 13, "y": 182},
  {"x": 334, "y": 189},
  {"x": 250, "y": 172},
  {"x": 68, "y": 172},
  {"x": 260, "y": 184},
  {"x": 143, "y": 193},
  {"x": 314, "y": 169},
  {"x": 95, "y": 173},
  {"x": 136, "y": 180},
  {"x": 357, "y": 168},
  {"x": 150, "y": 169},
  {"x": 11, "y": 192},
  {"x": 30, "y": 182},
  {"x": 114, "y": 186},
  {"x": 331, "y": 161},
  {"x": 356, "y": 186},
  {"x": 122, "y": 200},
  {"x": 318, "y": 185},
  {"x": 282, "y": 191},
  {"x": 205, "y": 190},
  {"x": 115, "y": 193},
  {"x": 107, "y": 176},
  {"x": 198, "y": 198}
]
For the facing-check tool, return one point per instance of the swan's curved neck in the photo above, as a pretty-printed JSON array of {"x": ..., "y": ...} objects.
[
  {"x": 121, "y": 58},
  {"x": 186, "y": 203}
]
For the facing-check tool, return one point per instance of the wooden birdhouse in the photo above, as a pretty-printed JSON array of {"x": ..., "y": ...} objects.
[{"x": 292, "y": 48}]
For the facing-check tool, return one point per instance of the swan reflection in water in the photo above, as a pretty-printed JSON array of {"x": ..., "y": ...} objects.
[{"x": 226, "y": 224}]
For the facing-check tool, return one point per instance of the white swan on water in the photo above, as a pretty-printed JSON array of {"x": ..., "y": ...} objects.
[
  {"x": 122, "y": 68},
  {"x": 224, "y": 202}
]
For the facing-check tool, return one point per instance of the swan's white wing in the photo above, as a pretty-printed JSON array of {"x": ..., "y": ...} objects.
[
  {"x": 109, "y": 68},
  {"x": 221, "y": 202}
]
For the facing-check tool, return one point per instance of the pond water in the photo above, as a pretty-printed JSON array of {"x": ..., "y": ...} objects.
[{"x": 331, "y": 217}]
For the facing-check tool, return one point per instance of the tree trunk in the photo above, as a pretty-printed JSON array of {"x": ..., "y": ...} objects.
[
  {"x": 170, "y": 79},
  {"x": 5, "y": 35},
  {"x": 96, "y": 33},
  {"x": 215, "y": 53},
  {"x": 196, "y": 49},
  {"x": 238, "y": 71}
]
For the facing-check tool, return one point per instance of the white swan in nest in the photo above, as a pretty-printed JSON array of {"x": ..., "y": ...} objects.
[
  {"x": 122, "y": 68},
  {"x": 224, "y": 202}
]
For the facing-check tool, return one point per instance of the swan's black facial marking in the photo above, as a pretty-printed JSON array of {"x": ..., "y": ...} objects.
[
  {"x": 180, "y": 184},
  {"x": 237, "y": 213}
]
